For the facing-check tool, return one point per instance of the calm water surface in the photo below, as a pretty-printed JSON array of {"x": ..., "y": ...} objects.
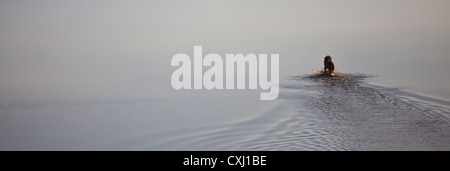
[{"x": 83, "y": 75}]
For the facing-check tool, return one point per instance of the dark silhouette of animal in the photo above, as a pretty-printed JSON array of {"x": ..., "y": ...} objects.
[{"x": 328, "y": 65}]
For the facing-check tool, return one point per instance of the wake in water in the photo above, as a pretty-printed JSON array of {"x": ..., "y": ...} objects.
[
  {"x": 321, "y": 112},
  {"x": 320, "y": 74},
  {"x": 364, "y": 117}
]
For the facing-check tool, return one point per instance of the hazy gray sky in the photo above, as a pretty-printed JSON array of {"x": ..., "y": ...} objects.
[{"x": 123, "y": 48}]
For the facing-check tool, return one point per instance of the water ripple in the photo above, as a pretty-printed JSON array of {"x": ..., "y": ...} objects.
[{"x": 318, "y": 112}]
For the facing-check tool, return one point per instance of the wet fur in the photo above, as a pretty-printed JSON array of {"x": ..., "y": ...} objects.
[{"x": 328, "y": 65}]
